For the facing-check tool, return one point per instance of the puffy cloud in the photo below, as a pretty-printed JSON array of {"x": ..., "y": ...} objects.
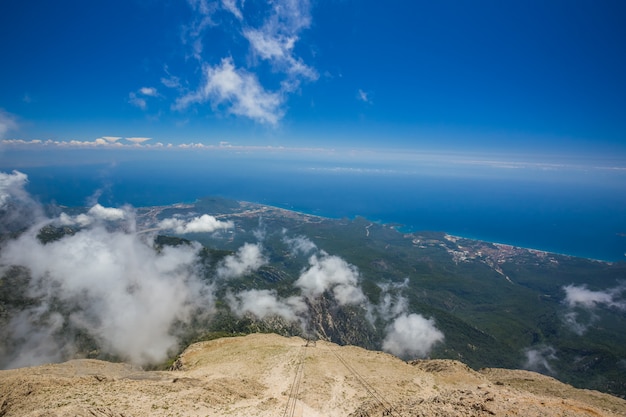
[
  {"x": 406, "y": 335},
  {"x": 538, "y": 359},
  {"x": 106, "y": 213},
  {"x": 148, "y": 91},
  {"x": 265, "y": 303},
  {"x": 122, "y": 292},
  {"x": 583, "y": 297},
  {"x": 328, "y": 273},
  {"x": 299, "y": 244},
  {"x": 17, "y": 208},
  {"x": 12, "y": 187},
  {"x": 98, "y": 213},
  {"x": 108, "y": 282},
  {"x": 201, "y": 224},
  {"x": 331, "y": 273},
  {"x": 582, "y": 302},
  {"x": 7, "y": 123},
  {"x": 238, "y": 90},
  {"x": 411, "y": 335},
  {"x": 66, "y": 220},
  {"x": 247, "y": 259}
]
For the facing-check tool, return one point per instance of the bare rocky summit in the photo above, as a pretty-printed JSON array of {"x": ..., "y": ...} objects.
[{"x": 270, "y": 375}]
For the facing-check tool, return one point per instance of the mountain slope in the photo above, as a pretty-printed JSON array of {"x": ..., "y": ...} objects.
[{"x": 270, "y": 375}]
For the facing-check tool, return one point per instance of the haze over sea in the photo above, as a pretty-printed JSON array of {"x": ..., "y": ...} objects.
[{"x": 564, "y": 209}]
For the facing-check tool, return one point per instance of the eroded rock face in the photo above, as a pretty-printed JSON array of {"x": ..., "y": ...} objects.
[{"x": 269, "y": 375}]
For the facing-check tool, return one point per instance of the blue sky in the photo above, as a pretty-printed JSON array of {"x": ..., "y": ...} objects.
[{"x": 530, "y": 77}]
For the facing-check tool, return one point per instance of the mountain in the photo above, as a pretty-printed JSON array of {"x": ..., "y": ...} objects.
[
  {"x": 270, "y": 375},
  {"x": 136, "y": 285}
]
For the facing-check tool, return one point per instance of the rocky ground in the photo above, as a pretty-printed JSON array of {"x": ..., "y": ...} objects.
[{"x": 269, "y": 375}]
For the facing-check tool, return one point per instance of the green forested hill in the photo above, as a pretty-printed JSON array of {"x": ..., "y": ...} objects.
[{"x": 496, "y": 305}]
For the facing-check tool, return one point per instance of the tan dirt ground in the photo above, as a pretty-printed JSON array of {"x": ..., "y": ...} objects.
[{"x": 255, "y": 375}]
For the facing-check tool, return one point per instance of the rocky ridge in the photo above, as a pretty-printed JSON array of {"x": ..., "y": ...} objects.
[{"x": 270, "y": 375}]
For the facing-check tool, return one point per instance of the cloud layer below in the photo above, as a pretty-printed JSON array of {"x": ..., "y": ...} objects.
[{"x": 105, "y": 279}]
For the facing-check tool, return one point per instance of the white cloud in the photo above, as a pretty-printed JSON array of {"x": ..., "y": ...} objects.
[
  {"x": 12, "y": 185},
  {"x": 98, "y": 213},
  {"x": 203, "y": 18},
  {"x": 269, "y": 47},
  {"x": 289, "y": 16},
  {"x": 137, "y": 101},
  {"x": 148, "y": 91},
  {"x": 106, "y": 213},
  {"x": 38, "y": 344},
  {"x": 8, "y": 122},
  {"x": 577, "y": 324},
  {"x": 171, "y": 81},
  {"x": 583, "y": 297},
  {"x": 538, "y": 359},
  {"x": 406, "y": 335},
  {"x": 201, "y": 224},
  {"x": 392, "y": 305},
  {"x": 247, "y": 259},
  {"x": 363, "y": 96},
  {"x": 236, "y": 89},
  {"x": 129, "y": 296},
  {"x": 106, "y": 141},
  {"x": 265, "y": 303},
  {"x": 275, "y": 40},
  {"x": 118, "y": 288},
  {"x": 138, "y": 140},
  {"x": 111, "y": 139},
  {"x": 299, "y": 244},
  {"x": 331, "y": 273},
  {"x": 17, "y": 208},
  {"x": 137, "y": 98},
  {"x": 231, "y": 6},
  {"x": 411, "y": 335},
  {"x": 582, "y": 302},
  {"x": 204, "y": 7},
  {"x": 278, "y": 49},
  {"x": 65, "y": 220}
]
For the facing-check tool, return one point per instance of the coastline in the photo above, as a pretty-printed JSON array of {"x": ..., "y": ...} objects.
[
  {"x": 411, "y": 230},
  {"x": 532, "y": 250},
  {"x": 403, "y": 227}
]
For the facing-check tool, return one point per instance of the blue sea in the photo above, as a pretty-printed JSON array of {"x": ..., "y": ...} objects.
[{"x": 562, "y": 215}]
